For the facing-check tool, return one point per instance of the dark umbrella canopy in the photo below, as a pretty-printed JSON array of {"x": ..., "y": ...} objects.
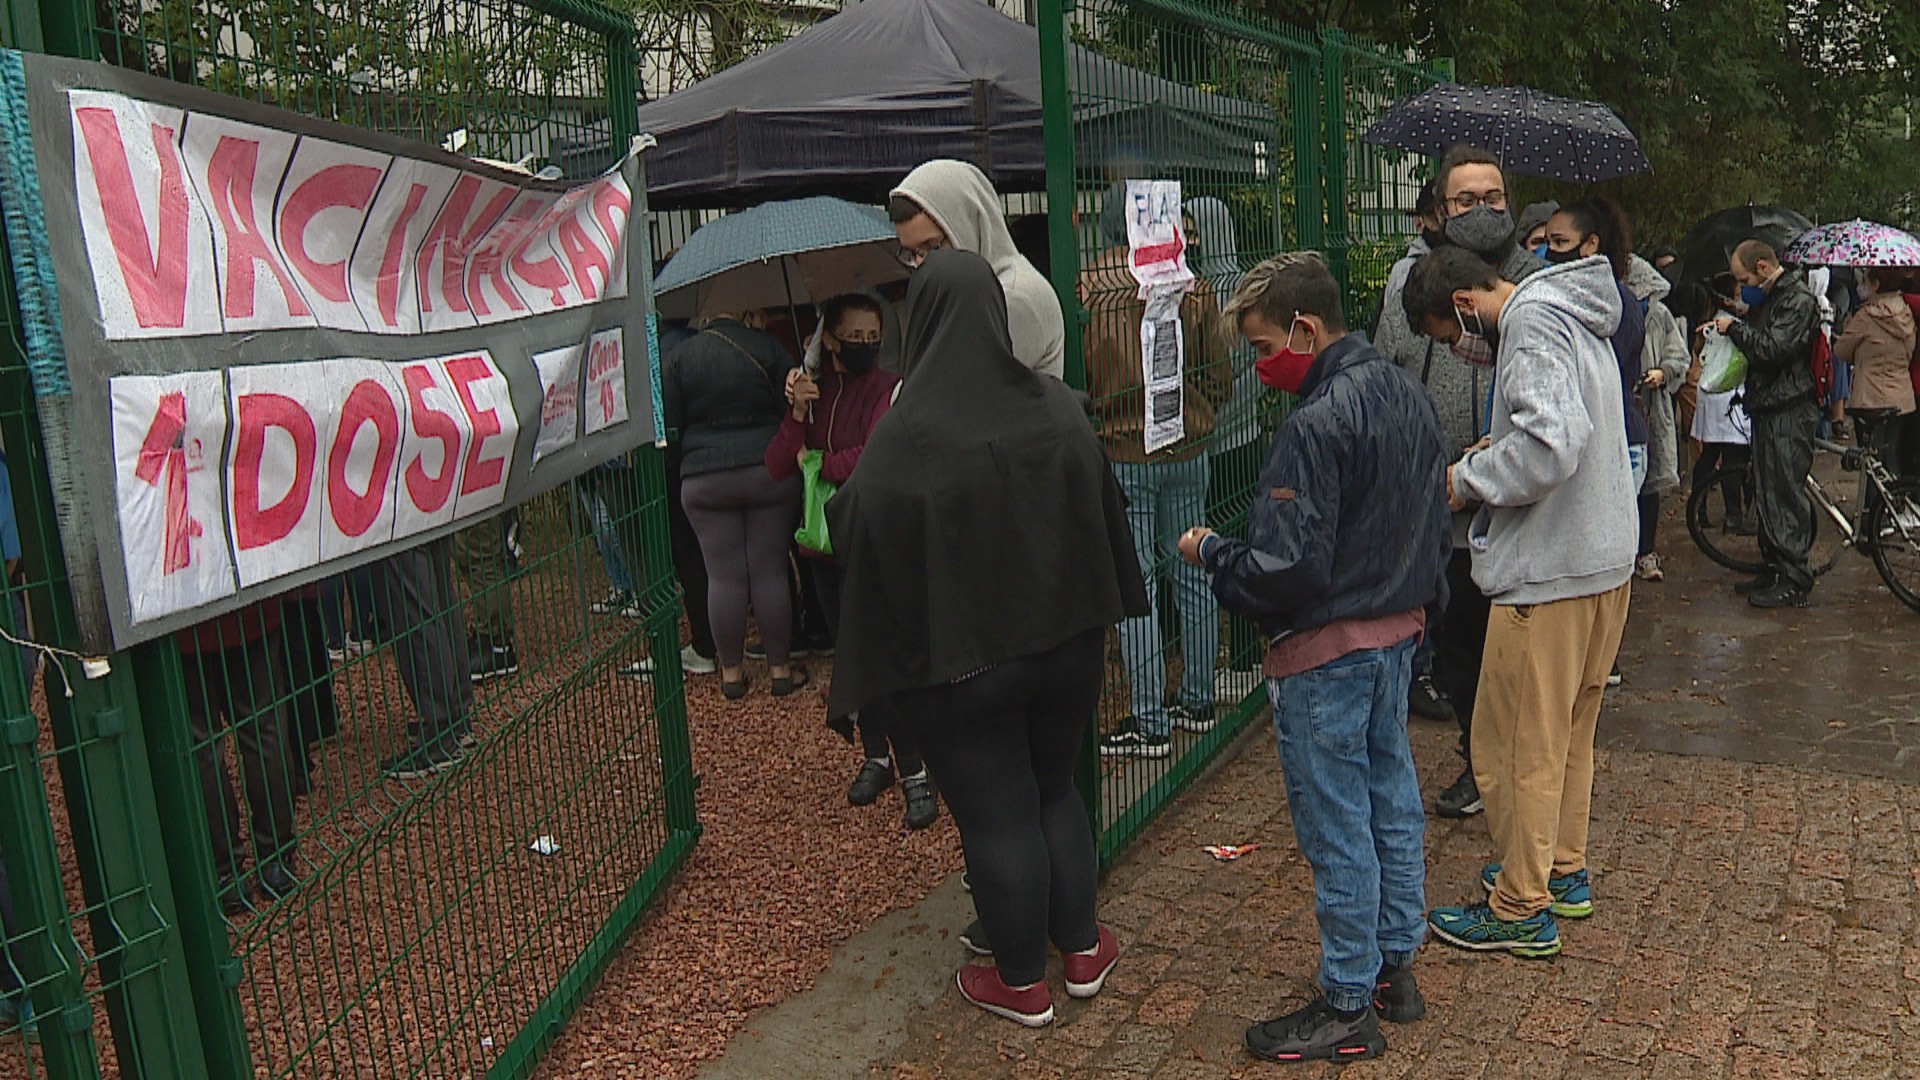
[
  {"x": 1707, "y": 251},
  {"x": 1534, "y": 134}
]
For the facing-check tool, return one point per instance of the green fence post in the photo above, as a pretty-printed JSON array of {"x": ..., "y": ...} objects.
[
  {"x": 1303, "y": 91},
  {"x": 1333, "y": 70}
]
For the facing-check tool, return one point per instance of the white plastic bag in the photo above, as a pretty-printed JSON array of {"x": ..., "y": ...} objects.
[{"x": 1723, "y": 366}]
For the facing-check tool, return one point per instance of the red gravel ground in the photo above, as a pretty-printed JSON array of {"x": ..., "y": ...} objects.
[{"x": 785, "y": 871}]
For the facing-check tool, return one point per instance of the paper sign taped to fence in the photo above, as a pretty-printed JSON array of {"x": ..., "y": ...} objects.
[
  {"x": 286, "y": 346},
  {"x": 1156, "y": 238}
]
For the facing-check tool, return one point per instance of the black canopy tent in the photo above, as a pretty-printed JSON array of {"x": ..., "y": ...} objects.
[{"x": 851, "y": 105}]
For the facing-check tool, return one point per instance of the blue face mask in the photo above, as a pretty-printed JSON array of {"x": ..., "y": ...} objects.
[
  {"x": 1542, "y": 251},
  {"x": 1752, "y": 295}
]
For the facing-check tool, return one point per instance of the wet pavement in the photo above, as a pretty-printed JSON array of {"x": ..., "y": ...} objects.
[{"x": 1757, "y": 828}]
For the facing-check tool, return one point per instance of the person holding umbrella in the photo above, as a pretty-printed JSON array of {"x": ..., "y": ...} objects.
[{"x": 1783, "y": 316}]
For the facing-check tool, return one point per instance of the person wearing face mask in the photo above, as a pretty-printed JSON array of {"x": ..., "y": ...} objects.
[
  {"x": 1473, "y": 206},
  {"x": 1346, "y": 550},
  {"x": 1783, "y": 316},
  {"x": 1554, "y": 550},
  {"x": 1532, "y": 227},
  {"x": 1165, "y": 490},
  {"x": 834, "y": 411}
]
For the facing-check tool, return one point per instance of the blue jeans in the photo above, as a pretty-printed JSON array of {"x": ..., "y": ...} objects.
[
  {"x": 1356, "y": 813},
  {"x": 1164, "y": 500},
  {"x": 1637, "y": 458},
  {"x": 355, "y": 586},
  {"x": 606, "y": 539}
]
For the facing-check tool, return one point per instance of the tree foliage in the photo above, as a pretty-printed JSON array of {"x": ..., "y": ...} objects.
[{"x": 1806, "y": 103}]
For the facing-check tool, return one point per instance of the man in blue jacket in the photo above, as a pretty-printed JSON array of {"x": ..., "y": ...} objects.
[{"x": 1347, "y": 544}]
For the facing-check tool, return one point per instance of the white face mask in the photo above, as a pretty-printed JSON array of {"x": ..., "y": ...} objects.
[{"x": 1474, "y": 346}]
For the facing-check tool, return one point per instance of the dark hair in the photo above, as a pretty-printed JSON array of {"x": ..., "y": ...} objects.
[
  {"x": 1888, "y": 278},
  {"x": 1603, "y": 218},
  {"x": 1428, "y": 203},
  {"x": 1296, "y": 283},
  {"x": 901, "y": 209},
  {"x": 836, "y": 309},
  {"x": 1662, "y": 252},
  {"x": 1435, "y": 278},
  {"x": 1693, "y": 302},
  {"x": 1751, "y": 253},
  {"x": 1030, "y": 238},
  {"x": 1460, "y": 155}
]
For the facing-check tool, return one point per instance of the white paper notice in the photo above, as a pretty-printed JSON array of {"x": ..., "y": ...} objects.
[
  {"x": 559, "y": 399},
  {"x": 606, "y": 380},
  {"x": 1156, "y": 243},
  {"x": 1157, "y": 257},
  {"x": 167, "y": 435},
  {"x": 1162, "y": 359}
]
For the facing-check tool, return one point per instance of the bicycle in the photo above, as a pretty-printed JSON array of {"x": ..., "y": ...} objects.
[{"x": 1886, "y": 527}]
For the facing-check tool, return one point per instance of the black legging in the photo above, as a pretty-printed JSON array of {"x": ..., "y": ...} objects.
[
  {"x": 1460, "y": 641},
  {"x": 1649, "y": 521},
  {"x": 881, "y": 733},
  {"x": 1002, "y": 746}
]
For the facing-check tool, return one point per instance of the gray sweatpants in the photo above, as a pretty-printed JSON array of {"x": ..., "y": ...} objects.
[
  {"x": 415, "y": 596},
  {"x": 745, "y": 521}
]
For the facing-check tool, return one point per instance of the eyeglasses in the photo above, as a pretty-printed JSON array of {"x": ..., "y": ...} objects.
[
  {"x": 1467, "y": 200},
  {"x": 912, "y": 257}
]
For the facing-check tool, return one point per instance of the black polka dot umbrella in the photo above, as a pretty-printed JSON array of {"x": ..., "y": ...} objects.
[{"x": 1534, "y": 134}]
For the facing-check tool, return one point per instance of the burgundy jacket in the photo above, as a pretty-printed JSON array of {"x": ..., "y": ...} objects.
[{"x": 843, "y": 417}]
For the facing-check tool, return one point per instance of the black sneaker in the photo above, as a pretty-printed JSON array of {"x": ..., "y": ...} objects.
[
  {"x": 487, "y": 659},
  {"x": 1198, "y": 719},
  {"x": 1462, "y": 800},
  {"x": 1317, "y": 1033},
  {"x": 1396, "y": 996},
  {"x": 874, "y": 778},
  {"x": 974, "y": 937},
  {"x": 1614, "y": 678},
  {"x": 1425, "y": 699},
  {"x": 234, "y": 901},
  {"x": 1753, "y": 585},
  {"x": 422, "y": 761},
  {"x": 1783, "y": 594},
  {"x": 1134, "y": 741},
  {"x": 616, "y": 602},
  {"x": 923, "y": 806},
  {"x": 276, "y": 881}
]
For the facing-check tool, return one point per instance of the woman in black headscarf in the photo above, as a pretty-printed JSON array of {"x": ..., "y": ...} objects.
[{"x": 986, "y": 553}]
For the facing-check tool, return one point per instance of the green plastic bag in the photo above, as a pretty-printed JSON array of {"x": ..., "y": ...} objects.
[
  {"x": 812, "y": 533},
  {"x": 1723, "y": 366}
]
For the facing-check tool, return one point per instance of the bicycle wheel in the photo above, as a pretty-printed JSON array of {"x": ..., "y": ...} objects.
[
  {"x": 1894, "y": 532},
  {"x": 1738, "y": 549}
]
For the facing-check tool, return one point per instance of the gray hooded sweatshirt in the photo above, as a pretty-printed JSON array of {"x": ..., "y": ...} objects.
[
  {"x": 961, "y": 201},
  {"x": 1556, "y": 520}
]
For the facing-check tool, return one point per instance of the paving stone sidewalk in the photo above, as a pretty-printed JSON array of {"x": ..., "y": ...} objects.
[{"x": 1754, "y": 922}]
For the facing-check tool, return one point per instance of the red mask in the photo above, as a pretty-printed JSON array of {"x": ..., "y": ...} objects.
[{"x": 1286, "y": 369}]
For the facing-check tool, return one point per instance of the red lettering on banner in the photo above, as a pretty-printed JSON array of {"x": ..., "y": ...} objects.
[
  {"x": 230, "y": 185},
  {"x": 156, "y": 277},
  {"x": 603, "y": 359},
  {"x": 446, "y": 239},
  {"x": 545, "y": 274},
  {"x": 430, "y": 493},
  {"x": 387, "y": 283},
  {"x": 609, "y": 402},
  {"x": 165, "y": 450},
  {"x": 607, "y": 197},
  {"x": 491, "y": 260},
  {"x": 350, "y": 186},
  {"x": 585, "y": 257},
  {"x": 255, "y": 525},
  {"x": 479, "y": 475},
  {"x": 354, "y": 512}
]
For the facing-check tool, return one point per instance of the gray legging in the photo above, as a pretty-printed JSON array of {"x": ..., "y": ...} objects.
[{"x": 745, "y": 521}]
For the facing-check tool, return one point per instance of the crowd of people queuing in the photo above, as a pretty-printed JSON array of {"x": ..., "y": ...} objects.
[{"x": 1446, "y": 523}]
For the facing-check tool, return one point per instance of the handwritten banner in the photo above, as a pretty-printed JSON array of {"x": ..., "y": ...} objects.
[{"x": 290, "y": 347}]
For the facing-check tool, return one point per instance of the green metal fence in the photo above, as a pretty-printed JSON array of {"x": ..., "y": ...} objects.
[
  {"x": 441, "y": 923},
  {"x": 1259, "y": 123}
]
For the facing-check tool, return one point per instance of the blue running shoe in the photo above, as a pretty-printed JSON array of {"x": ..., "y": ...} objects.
[
  {"x": 1476, "y": 927},
  {"x": 1572, "y": 893}
]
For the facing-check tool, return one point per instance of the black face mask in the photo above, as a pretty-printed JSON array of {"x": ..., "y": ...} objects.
[
  {"x": 1558, "y": 258},
  {"x": 858, "y": 359}
]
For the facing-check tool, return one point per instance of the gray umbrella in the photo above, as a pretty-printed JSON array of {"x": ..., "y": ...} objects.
[
  {"x": 1534, "y": 134},
  {"x": 779, "y": 254}
]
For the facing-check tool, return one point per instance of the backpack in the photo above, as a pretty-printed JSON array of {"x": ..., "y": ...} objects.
[{"x": 1820, "y": 362}]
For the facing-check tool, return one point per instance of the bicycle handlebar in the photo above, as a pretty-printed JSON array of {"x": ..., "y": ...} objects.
[{"x": 1831, "y": 447}]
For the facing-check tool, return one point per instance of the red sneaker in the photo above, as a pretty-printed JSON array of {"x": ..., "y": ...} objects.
[
  {"x": 1087, "y": 974},
  {"x": 982, "y": 986}
]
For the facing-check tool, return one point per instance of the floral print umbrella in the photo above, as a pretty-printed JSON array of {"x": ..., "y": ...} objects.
[{"x": 1855, "y": 243}]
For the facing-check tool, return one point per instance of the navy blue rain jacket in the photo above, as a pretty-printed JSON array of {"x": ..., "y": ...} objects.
[{"x": 1349, "y": 519}]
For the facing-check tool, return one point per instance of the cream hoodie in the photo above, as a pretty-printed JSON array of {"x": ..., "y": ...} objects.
[{"x": 961, "y": 201}]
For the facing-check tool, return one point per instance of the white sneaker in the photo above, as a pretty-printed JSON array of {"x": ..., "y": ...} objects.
[
  {"x": 1234, "y": 686},
  {"x": 1647, "y": 568},
  {"x": 692, "y": 663},
  {"x": 1908, "y": 515}
]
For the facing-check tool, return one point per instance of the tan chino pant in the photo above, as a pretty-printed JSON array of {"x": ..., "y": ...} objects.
[{"x": 1544, "y": 673}]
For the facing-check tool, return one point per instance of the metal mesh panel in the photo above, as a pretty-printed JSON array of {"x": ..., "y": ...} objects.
[
  {"x": 1237, "y": 112},
  {"x": 469, "y": 785}
]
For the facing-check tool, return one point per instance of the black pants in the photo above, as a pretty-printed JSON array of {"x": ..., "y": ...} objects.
[
  {"x": 244, "y": 689},
  {"x": 413, "y": 592},
  {"x": 1649, "y": 521},
  {"x": 1735, "y": 489},
  {"x": 315, "y": 714},
  {"x": 688, "y": 564},
  {"x": 1002, "y": 746},
  {"x": 1879, "y": 430},
  {"x": 1231, "y": 477},
  {"x": 882, "y": 735},
  {"x": 1460, "y": 641},
  {"x": 1783, "y": 455},
  {"x": 1910, "y": 444}
]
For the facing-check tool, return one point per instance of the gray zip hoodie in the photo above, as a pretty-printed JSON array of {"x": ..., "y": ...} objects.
[
  {"x": 963, "y": 203},
  {"x": 1556, "y": 520}
]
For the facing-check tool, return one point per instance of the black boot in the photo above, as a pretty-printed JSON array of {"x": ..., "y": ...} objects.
[{"x": 875, "y": 777}]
